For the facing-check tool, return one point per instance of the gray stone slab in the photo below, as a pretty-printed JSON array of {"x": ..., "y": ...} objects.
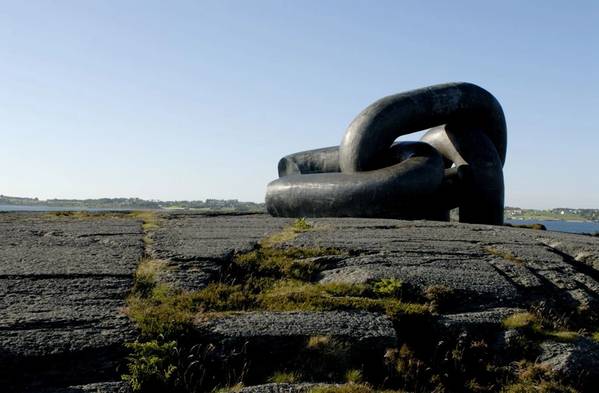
[
  {"x": 358, "y": 325},
  {"x": 63, "y": 284},
  {"x": 38, "y": 245},
  {"x": 98, "y": 387},
  {"x": 196, "y": 246},
  {"x": 576, "y": 361},
  {"x": 492, "y": 318},
  {"x": 278, "y": 388}
]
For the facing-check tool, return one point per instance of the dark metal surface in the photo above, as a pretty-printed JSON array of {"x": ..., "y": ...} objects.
[{"x": 369, "y": 175}]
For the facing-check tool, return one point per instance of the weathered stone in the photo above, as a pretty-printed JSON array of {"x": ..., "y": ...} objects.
[
  {"x": 99, "y": 387},
  {"x": 576, "y": 361},
  {"x": 357, "y": 325},
  {"x": 278, "y": 388},
  {"x": 196, "y": 246},
  {"x": 63, "y": 283},
  {"x": 491, "y": 318}
]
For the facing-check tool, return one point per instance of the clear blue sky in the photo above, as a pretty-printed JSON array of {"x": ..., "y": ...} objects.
[{"x": 195, "y": 100}]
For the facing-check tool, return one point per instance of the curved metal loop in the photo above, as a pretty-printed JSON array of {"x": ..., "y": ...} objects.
[{"x": 368, "y": 175}]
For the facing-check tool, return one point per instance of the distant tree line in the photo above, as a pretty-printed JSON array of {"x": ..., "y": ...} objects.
[{"x": 135, "y": 203}]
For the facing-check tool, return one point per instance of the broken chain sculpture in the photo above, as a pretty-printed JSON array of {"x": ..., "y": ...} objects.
[{"x": 458, "y": 162}]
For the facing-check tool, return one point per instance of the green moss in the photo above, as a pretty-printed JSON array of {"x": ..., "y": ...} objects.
[
  {"x": 290, "y": 262},
  {"x": 164, "y": 313},
  {"x": 595, "y": 336},
  {"x": 294, "y": 295},
  {"x": 285, "y": 377},
  {"x": 152, "y": 366}
]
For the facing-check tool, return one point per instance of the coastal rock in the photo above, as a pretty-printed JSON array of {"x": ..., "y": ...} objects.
[
  {"x": 576, "y": 361},
  {"x": 63, "y": 283}
]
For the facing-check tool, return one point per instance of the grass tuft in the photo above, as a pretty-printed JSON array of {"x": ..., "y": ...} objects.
[
  {"x": 288, "y": 233},
  {"x": 354, "y": 376},
  {"x": 285, "y": 377},
  {"x": 532, "y": 378},
  {"x": 520, "y": 320}
]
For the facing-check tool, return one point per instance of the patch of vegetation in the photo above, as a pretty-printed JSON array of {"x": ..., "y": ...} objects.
[
  {"x": 595, "y": 336},
  {"x": 146, "y": 276},
  {"x": 151, "y": 366},
  {"x": 290, "y": 262},
  {"x": 532, "y": 378},
  {"x": 440, "y": 297},
  {"x": 521, "y": 320},
  {"x": 536, "y": 328},
  {"x": 85, "y": 214},
  {"x": 296, "y": 295},
  {"x": 354, "y": 376},
  {"x": 288, "y": 233},
  {"x": 536, "y": 226},
  {"x": 302, "y": 225},
  {"x": 285, "y": 377},
  {"x": 388, "y": 287},
  {"x": 349, "y": 388},
  {"x": 164, "y": 312},
  {"x": 150, "y": 220},
  {"x": 503, "y": 254}
]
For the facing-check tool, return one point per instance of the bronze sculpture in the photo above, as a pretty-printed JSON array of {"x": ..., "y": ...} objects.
[{"x": 457, "y": 163}]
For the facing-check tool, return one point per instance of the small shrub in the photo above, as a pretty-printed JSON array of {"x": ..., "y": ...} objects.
[
  {"x": 152, "y": 366},
  {"x": 388, "y": 287}
]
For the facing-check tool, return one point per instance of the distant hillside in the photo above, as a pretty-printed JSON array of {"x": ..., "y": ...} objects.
[
  {"x": 135, "y": 203},
  {"x": 511, "y": 213},
  {"x": 561, "y": 213}
]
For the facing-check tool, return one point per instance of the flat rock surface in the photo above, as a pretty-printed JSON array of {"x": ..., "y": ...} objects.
[
  {"x": 490, "y": 266},
  {"x": 357, "y": 325},
  {"x": 278, "y": 388},
  {"x": 491, "y": 273},
  {"x": 63, "y": 283},
  {"x": 195, "y": 246}
]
